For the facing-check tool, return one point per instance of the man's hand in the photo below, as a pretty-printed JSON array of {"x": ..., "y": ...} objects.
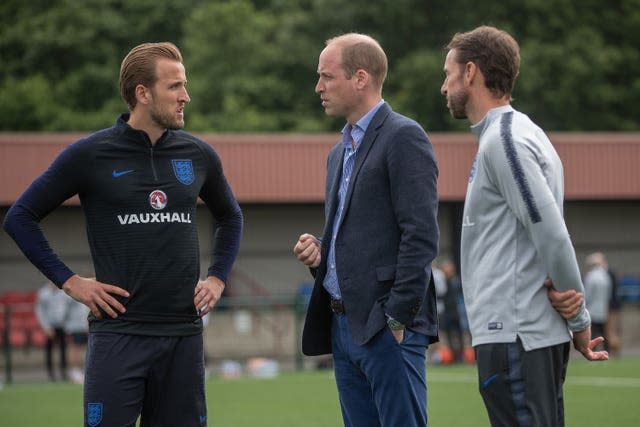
[
  {"x": 95, "y": 295},
  {"x": 307, "y": 249},
  {"x": 566, "y": 303},
  {"x": 207, "y": 294},
  {"x": 584, "y": 344}
]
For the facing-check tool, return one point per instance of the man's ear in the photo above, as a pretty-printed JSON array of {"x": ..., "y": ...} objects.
[
  {"x": 361, "y": 77},
  {"x": 470, "y": 72},
  {"x": 143, "y": 95}
]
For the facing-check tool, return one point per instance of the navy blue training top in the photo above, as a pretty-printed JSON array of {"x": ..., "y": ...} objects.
[{"x": 139, "y": 202}]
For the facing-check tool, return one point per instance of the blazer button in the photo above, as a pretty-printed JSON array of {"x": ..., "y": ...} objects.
[{"x": 416, "y": 308}]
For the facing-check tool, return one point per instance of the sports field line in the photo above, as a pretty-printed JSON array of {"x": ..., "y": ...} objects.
[
  {"x": 605, "y": 381},
  {"x": 584, "y": 381}
]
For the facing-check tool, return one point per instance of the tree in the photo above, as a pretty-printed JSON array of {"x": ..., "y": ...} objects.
[
  {"x": 581, "y": 64},
  {"x": 76, "y": 47},
  {"x": 251, "y": 64},
  {"x": 251, "y": 71}
]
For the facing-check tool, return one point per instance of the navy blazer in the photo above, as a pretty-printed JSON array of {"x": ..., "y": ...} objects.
[{"x": 387, "y": 239}]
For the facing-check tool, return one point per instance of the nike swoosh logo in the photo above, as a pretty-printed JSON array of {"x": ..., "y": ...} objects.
[
  {"x": 488, "y": 381},
  {"x": 117, "y": 174}
]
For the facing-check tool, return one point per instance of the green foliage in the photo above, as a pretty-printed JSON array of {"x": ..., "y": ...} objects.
[
  {"x": 236, "y": 57},
  {"x": 580, "y": 66},
  {"x": 76, "y": 47},
  {"x": 415, "y": 90},
  {"x": 251, "y": 64},
  {"x": 21, "y": 103}
]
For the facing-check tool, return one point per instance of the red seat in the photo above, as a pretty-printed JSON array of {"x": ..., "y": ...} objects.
[
  {"x": 18, "y": 320},
  {"x": 31, "y": 297},
  {"x": 38, "y": 337},
  {"x": 24, "y": 328},
  {"x": 31, "y": 321},
  {"x": 15, "y": 297},
  {"x": 18, "y": 338}
]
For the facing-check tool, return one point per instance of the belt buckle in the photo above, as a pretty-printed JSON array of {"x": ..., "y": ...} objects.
[{"x": 337, "y": 306}]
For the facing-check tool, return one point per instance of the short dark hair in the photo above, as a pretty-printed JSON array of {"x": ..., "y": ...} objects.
[
  {"x": 360, "y": 51},
  {"x": 494, "y": 51},
  {"x": 139, "y": 68}
]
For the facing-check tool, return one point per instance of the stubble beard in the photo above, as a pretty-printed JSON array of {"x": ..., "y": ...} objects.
[
  {"x": 457, "y": 104},
  {"x": 166, "y": 120}
]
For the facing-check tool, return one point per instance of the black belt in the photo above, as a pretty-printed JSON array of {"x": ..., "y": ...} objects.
[{"x": 336, "y": 306}]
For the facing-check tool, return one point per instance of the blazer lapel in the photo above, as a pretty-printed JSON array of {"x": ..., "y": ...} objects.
[
  {"x": 334, "y": 170},
  {"x": 368, "y": 140}
]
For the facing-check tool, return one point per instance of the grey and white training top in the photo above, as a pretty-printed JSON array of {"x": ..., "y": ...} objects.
[{"x": 514, "y": 236}]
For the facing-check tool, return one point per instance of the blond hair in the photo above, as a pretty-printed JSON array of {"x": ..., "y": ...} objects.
[{"x": 139, "y": 68}]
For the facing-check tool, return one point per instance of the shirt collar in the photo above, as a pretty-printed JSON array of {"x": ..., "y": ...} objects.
[
  {"x": 488, "y": 118},
  {"x": 357, "y": 132}
]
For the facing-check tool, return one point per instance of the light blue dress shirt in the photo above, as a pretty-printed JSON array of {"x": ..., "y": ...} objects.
[{"x": 349, "y": 134}]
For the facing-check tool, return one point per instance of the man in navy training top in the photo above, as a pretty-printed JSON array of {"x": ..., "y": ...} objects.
[{"x": 138, "y": 183}]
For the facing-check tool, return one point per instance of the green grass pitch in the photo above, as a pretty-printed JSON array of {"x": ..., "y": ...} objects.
[{"x": 596, "y": 394}]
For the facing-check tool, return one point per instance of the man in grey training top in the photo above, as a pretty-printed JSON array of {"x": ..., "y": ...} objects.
[{"x": 513, "y": 239}]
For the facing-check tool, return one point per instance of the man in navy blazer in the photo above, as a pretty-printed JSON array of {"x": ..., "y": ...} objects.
[{"x": 373, "y": 304}]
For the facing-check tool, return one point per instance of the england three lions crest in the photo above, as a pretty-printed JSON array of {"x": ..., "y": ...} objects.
[
  {"x": 183, "y": 169},
  {"x": 94, "y": 414}
]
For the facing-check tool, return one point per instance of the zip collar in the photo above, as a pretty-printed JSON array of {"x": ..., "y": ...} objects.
[{"x": 136, "y": 135}]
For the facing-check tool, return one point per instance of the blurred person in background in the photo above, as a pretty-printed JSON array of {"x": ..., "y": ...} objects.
[
  {"x": 438, "y": 351},
  {"x": 613, "y": 326},
  {"x": 440, "y": 283},
  {"x": 598, "y": 287},
  {"x": 453, "y": 319},
  {"x": 51, "y": 310},
  {"x": 76, "y": 326}
]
